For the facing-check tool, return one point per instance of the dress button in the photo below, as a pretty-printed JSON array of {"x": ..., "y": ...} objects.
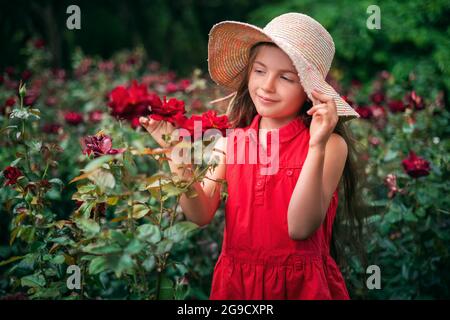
[
  {"x": 289, "y": 172},
  {"x": 258, "y": 183}
]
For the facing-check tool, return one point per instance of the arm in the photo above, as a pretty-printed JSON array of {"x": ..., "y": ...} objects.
[
  {"x": 319, "y": 178},
  {"x": 201, "y": 208},
  {"x": 321, "y": 170}
]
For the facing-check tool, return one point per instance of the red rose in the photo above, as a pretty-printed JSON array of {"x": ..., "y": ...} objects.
[
  {"x": 51, "y": 101},
  {"x": 26, "y": 75},
  {"x": 99, "y": 145},
  {"x": 415, "y": 101},
  {"x": 184, "y": 84},
  {"x": 95, "y": 116},
  {"x": 391, "y": 182},
  {"x": 171, "y": 87},
  {"x": 374, "y": 141},
  {"x": 197, "y": 104},
  {"x": 377, "y": 97},
  {"x": 171, "y": 76},
  {"x": 73, "y": 118},
  {"x": 348, "y": 100},
  {"x": 154, "y": 66},
  {"x": 59, "y": 74},
  {"x": 396, "y": 106},
  {"x": 135, "y": 123},
  {"x": 364, "y": 112},
  {"x": 10, "y": 71},
  {"x": 83, "y": 67},
  {"x": 416, "y": 166},
  {"x": 51, "y": 128},
  {"x": 31, "y": 97},
  {"x": 11, "y": 174},
  {"x": 39, "y": 43},
  {"x": 10, "y": 102},
  {"x": 133, "y": 102},
  {"x": 168, "y": 110},
  {"x": 189, "y": 123},
  {"x": 212, "y": 121},
  {"x": 209, "y": 120},
  {"x": 356, "y": 83},
  {"x": 385, "y": 75},
  {"x": 378, "y": 111},
  {"x": 106, "y": 66},
  {"x": 132, "y": 60}
]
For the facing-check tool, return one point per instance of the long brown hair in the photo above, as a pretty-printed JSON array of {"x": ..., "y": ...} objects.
[{"x": 347, "y": 238}]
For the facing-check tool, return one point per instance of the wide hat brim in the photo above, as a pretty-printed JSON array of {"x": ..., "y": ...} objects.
[{"x": 228, "y": 52}]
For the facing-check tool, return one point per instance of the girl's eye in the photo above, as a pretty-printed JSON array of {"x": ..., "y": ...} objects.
[{"x": 284, "y": 77}]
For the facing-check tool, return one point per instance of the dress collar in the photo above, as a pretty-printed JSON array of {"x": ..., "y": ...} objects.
[{"x": 286, "y": 132}]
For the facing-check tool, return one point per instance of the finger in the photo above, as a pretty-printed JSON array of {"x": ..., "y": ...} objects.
[
  {"x": 143, "y": 120},
  {"x": 321, "y": 96},
  {"x": 326, "y": 116},
  {"x": 315, "y": 101},
  {"x": 316, "y": 107}
]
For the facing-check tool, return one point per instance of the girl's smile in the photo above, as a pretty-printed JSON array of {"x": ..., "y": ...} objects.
[{"x": 266, "y": 100}]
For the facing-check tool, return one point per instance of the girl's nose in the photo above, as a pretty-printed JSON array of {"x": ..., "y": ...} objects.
[{"x": 269, "y": 83}]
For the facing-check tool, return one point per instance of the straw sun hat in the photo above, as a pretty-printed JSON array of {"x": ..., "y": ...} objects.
[{"x": 307, "y": 43}]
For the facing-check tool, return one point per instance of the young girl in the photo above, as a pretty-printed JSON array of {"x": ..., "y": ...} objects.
[{"x": 278, "y": 227}]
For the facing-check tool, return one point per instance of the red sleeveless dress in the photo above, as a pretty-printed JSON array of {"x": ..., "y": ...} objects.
[{"x": 258, "y": 259}]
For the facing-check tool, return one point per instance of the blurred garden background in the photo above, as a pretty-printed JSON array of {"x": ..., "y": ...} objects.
[{"x": 82, "y": 184}]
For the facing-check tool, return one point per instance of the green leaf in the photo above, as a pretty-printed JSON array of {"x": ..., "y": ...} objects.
[
  {"x": 54, "y": 292},
  {"x": 102, "y": 178},
  {"x": 86, "y": 208},
  {"x": 35, "y": 145},
  {"x": 394, "y": 215},
  {"x": 125, "y": 264},
  {"x": 180, "y": 231},
  {"x": 171, "y": 190},
  {"x": 89, "y": 226},
  {"x": 149, "y": 232},
  {"x": 149, "y": 263},
  {"x": 87, "y": 188},
  {"x": 34, "y": 280},
  {"x": 63, "y": 240},
  {"x": 140, "y": 210},
  {"x": 15, "y": 162},
  {"x": 390, "y": 155},
  {"x": 164, "y": 246},
  {"x": 119, "y": 237},
  {"x": 134, "y": 247},
  {"x": 59, "y": 259},
  {"x": 10, "y": 260},
  {"x": 102, "y": 248},
  {"x": 58, "y": 182},
  {"x": 166, "y": 290},
  {"x": 410, "y": 216},
  {"x": 97, "y": 265},
  {"x": 97, "y": 163}
]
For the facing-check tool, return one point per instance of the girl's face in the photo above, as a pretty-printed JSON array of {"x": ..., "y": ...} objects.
[{"x": 274, "y": 77}]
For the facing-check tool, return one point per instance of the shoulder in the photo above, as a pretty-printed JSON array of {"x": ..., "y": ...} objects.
[{"x": 337, "y": 145}]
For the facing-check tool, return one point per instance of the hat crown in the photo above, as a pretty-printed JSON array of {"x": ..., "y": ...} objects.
[{"x": 306, "y": 36}]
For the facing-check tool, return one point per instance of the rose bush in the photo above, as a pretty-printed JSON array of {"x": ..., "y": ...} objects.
[{"x": 82, "y": 184}]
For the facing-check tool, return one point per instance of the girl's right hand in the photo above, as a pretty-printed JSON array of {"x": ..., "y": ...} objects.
[{"x": 157, "y": 129}]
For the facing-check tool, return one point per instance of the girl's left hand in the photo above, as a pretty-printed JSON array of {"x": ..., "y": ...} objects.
[{"x": 324, "y": 119}]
